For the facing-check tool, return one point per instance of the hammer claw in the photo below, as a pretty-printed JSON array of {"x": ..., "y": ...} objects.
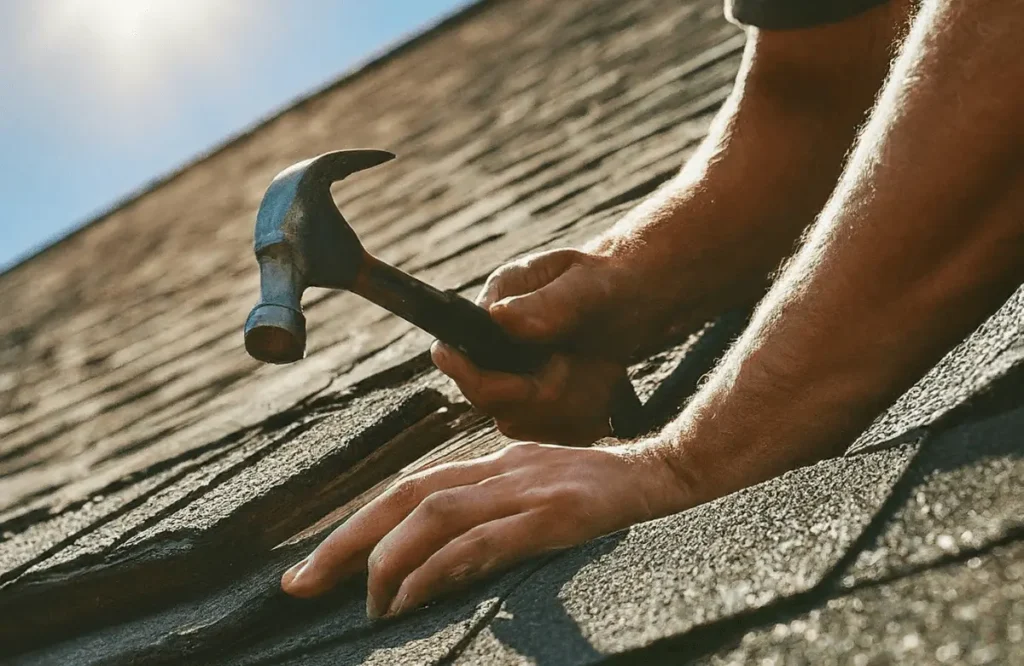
[
  {"x": 335, "y": 166},
  {"x": 302, "y": 240}
]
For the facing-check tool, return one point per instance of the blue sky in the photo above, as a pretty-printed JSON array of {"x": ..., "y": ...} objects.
[{"x": 99, "y": 97}]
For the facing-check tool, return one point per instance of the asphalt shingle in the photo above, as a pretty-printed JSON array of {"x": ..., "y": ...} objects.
[
  {"x": 964, "y": 493},
  {"x": 136, "y": 436},
  {"x": 664, "y": 578},
  {"x": 969, "y": 612},
  {"x": 991, "y": 353}
]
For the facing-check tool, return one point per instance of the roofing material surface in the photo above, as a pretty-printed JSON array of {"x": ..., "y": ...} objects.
[{"x": 155, "y": 481}]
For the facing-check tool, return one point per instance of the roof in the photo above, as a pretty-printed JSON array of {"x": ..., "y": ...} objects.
[{"x": 155, "y": 481}]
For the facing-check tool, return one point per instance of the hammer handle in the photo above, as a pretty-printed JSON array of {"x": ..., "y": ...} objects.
[{"x": 466, "y": 326}]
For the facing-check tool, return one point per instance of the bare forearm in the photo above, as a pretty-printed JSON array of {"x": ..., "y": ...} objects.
[
  {"x": 922, "y": 239},
  {"x": 711, "y": 237}
]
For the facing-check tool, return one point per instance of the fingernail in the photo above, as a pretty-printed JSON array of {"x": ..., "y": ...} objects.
[
  {"x": 398, "y": 605},
  {"x": 373, "y": 611},
  {"x": 290, "y": 579}
]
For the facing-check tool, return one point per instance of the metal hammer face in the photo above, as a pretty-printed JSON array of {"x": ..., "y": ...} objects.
[{"x": 302, "y": 240}]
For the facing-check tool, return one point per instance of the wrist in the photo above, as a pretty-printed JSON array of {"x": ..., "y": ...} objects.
[
  {"x": 612, "y": 325},
  {"x": 674, "y": 271},
  {"x": 667, "y": 485},
  {"x": 641, "y": 308},
  {"x": 749, "y": 424}
]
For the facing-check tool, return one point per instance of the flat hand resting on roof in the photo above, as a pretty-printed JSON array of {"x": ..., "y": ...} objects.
[{"x": 910, "y": 242}]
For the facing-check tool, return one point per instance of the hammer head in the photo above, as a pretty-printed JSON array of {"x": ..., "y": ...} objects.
[{"x": 302, "y": 240}]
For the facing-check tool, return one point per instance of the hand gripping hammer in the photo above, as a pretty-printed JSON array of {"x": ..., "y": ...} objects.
[{"x": 302, "y": 240}]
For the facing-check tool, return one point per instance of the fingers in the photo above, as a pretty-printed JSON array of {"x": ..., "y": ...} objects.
[
  {"x": 556, "y": 309},
  {"x": 485, "y": 389},
  {"x": 507, "y": 280},
  {"x": 532, "y": 316},
  {"x": 441, "y": 517},
  {"x": 346, "y": 550},
  {"x": 527, "y": 274},
  {"x": 531, "y": 499},
  {"x": 545, "y": 297},
  {"x": 564, "y": 402},
  {"x": 475, "y": 554}
]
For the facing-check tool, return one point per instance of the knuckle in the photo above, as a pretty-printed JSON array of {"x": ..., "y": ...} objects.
[
  {"x": 560, "y": 496},
  {"x": 494, "y": 485},
  {"x": 520, "y": 450},
  {"x": 377, "y": 565},
  {"x": 524, "y": 262},
  {"x": 462, "y": 572},
  {"x": 548, "y": 517},
  {"x": 405, "y": 492},
  {"x": 440, "y": 504},
  {"x": 506, "y": 269},
  {"x": 491, "y": 286},
  {"x": 480, "y": 543},
  {"x": 503, "y": 275},
  {"x": 563, "y": 255},
  {"x": 493, "y": 277},
  {"x": 574, "y": 256},
  {"x": 498, "y": 273}
]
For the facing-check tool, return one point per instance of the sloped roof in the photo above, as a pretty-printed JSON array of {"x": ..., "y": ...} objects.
[{"x": 155, "y": 481}]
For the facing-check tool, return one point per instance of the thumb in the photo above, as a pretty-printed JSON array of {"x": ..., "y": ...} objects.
[{"x": 554, "y": 311}]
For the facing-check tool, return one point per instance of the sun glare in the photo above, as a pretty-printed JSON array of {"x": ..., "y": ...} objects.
[
  {"x": 126, "y": 24},
  {"x": 136, "y": 38}
]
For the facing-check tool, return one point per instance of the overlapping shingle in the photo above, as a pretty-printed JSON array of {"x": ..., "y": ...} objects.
[{"x": 134, "y": 429}]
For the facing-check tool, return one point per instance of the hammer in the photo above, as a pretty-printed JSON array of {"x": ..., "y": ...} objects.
[{"x": 302, "y": 240}]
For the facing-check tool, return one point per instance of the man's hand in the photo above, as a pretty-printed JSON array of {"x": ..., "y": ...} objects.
[
  {"x": 549, "y": 297},
  {"x": 703, "y": 244},
  {"x": 437, "y": 530}
]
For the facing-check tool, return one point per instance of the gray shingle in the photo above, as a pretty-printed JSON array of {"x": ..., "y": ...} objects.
[
  {"x": 663, "y": 578},
  {"x": 994, "y": 351},
  {"x": 964, "y": 493},
  {"x": 542, "y": 122},
  {"x": 969, "y": 612}
]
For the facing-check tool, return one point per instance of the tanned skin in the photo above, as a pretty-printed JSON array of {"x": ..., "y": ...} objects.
[{"x": 921, "y": 239}]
